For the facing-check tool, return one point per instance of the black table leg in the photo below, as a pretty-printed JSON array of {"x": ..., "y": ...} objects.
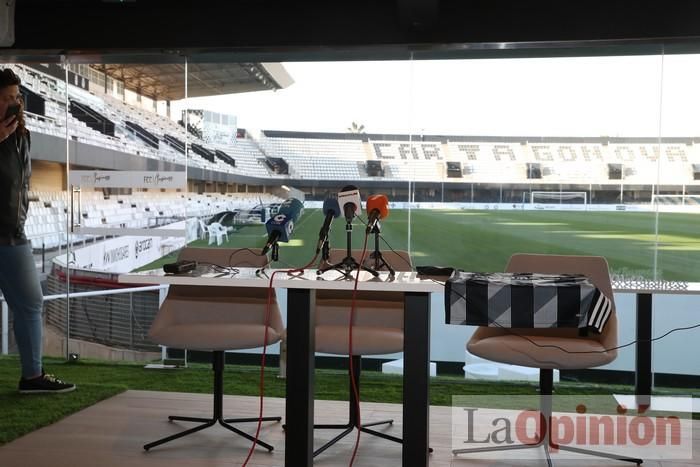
[
  {"x": 643, "y": 374},
  {"x": 299, "y": 433},
  {"x": 416, "y": 378}
]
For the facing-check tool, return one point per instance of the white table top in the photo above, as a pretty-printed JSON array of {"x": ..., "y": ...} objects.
[
  {"x": 248, "y": 277},
  {"x": 402, "y": 282}
]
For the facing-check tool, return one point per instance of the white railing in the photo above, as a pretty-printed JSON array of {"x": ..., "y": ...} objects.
[{"x": 4, "y": 346}]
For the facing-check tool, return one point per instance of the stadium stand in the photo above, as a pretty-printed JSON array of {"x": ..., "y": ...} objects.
[
  {"x": 281, "y": 156},
  {"x": 278, "y": 165},
  {"x": 91, "y": 118},
  {"x": 225, "y": 157},
  {"x": 204, "y": 152},
  {"x": 145, "y": 135},
  {"x": 48, "y": 211},
  {"x": 175, "y": 143},
  {"x": 336, "y": 146}
]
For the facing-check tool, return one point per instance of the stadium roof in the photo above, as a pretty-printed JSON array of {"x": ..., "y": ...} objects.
[{"x": 167, "y": 81}]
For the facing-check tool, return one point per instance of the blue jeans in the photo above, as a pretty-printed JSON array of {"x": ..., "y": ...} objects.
[{"x": 20, "y": 285}]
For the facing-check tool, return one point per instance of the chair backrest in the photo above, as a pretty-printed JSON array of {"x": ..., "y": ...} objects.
[
  {"x": 252, "y": 301},
  {"x": 224, "y": 257},
  {"x": 378, "y": 309},
  {"x": 203, "y": 226},
  {"x": 594, "y": 267}
]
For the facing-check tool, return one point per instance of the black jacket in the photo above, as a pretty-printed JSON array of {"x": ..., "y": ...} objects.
[{"x": 15, "y": 170}]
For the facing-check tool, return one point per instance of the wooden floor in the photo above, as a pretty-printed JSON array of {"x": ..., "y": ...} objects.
[{"x": 112, "y": 432}]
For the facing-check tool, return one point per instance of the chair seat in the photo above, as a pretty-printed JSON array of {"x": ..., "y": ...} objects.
[
  {"x": 366, "y": 340},
  {"x": 213, "y": 336},
  {"x": 516, "y": 350}
]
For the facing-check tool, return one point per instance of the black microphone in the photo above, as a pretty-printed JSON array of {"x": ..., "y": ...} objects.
[
  {"x": 281, "y": 225},
  {"x": 331, "y": 209},
  {"x": 349, "y": 199}
]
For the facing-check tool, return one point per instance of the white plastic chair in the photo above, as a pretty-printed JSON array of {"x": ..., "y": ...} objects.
[
  {"x": 218, "y": 230},
  {"x": 205, "y": 230}
]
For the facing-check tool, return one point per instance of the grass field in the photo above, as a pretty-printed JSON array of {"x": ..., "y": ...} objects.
[{"x": 484, "y": 240}]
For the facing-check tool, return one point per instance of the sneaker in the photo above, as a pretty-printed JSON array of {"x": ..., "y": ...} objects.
[{"x": 44, "y": 384}]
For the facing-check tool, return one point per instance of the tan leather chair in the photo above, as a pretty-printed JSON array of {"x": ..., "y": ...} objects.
[
  {"x": 216, "y": 319},
  {"x": 378, "y": 329},
  {"x": 503, "y": 345}
]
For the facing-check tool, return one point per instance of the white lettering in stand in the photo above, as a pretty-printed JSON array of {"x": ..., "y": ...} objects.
[{"x": 127, "y": 179}]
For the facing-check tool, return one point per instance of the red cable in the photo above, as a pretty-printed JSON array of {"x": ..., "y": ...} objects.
[
  {"x": 352, "y": 371},
  {"x": 262, "y": 368},
  {"x": 264, "y": 353}
]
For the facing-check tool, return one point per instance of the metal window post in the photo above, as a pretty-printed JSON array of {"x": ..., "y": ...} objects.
[
  {"x": 5, "y": 325},
  {"x": 131, "y": 321}
]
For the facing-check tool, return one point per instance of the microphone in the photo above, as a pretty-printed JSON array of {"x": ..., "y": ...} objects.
[
  {"x": 281, "y": 225},
  {"x": 378, "y": 208},
  {"x": 331, "y": 209},
  {"x": 349, "y": 200}
]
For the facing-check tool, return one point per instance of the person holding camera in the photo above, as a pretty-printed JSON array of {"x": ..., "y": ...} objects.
[{"x": 19, "y": 279}]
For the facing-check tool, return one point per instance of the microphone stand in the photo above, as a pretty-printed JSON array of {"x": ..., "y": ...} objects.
[
  {"x": 275, "y": 252},
  {"x": 379, "y": 261},
  {"x": 325, "y": 250},
  {"x": 347, "y": 264},
  {"x": 274, "y": 256}
]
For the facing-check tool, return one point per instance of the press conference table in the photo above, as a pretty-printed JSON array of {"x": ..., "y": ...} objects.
[{"x": 301, "y": 346}]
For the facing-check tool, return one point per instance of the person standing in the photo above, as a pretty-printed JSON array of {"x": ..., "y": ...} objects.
[{"x": 19, "y": 279}]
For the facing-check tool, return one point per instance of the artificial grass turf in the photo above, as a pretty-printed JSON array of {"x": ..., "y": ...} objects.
[{"x": 97, "y": 380}]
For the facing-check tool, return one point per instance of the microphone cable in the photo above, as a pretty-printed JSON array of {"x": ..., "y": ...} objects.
[
  {"x": 574, "y": 352},
  {"x": 351, "y": 320},
  {"x": 268, "y": 314},
  {"x": 238, "y": 250},
  {"x": 553, "y": 346}
]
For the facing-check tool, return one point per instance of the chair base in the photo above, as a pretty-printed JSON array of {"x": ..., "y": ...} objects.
[
  {"x": 218, "y": 367},
  {"x": 546, "y": 383},
  {"x": 350, "y": 427},
  {"x": 353, "y": 417},
  {"x": 546, "y": 452},
  {"x": 207, "y": 422}
]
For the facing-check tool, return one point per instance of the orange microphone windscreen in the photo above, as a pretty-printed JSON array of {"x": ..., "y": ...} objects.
[{"x": 380, "y": 203}]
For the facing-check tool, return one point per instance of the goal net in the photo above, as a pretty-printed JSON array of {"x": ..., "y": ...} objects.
[{"x": 562, "y": 199}]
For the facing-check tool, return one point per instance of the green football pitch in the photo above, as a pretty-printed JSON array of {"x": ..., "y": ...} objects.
[{"x": 483, "y": 240}]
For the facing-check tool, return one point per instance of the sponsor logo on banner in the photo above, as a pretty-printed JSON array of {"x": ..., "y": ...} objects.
[
  {"x": 116, "y": 254},
  {"x": 127, "y": 179},
  {"x": 142, "y": 246},
  {"x": 157, "y": 178},
  {"x": 94, "y": 178}
]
